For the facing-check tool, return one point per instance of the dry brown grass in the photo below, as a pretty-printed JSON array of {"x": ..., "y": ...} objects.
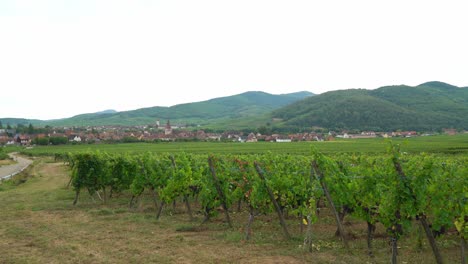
[
  {"x": 40, "y": 225},
  {"x": 7, "y": 162}
]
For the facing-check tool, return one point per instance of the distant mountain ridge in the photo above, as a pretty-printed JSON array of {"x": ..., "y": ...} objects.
[
  {"x": 223, "y": 109},
  {"x": 109, "y": 111},
  {"x": 429, "y": 106}
]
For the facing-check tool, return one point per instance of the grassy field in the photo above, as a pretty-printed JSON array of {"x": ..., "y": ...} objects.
[
  {"x": 6, "y": 162},
  {"x": 434, "y": 144},
  {"x": 40, "y": 225}
]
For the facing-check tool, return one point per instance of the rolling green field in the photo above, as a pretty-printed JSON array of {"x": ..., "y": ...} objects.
[{"x": 432, "y": 144}]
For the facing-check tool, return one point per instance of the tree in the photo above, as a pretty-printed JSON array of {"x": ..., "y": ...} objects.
[
  {"x": 42, "y": 141},
  {"x": 264, "y": 130},
  {"x": 58, "y": 140},
  {"x": 9, "y": 131},
  {"x": 3, "y": 155},
  {"x": 30, "y": 129},
  {"x": 1, "y": 125}
]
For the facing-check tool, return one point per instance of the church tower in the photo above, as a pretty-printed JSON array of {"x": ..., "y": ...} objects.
[{"x": 168, "y": 128}]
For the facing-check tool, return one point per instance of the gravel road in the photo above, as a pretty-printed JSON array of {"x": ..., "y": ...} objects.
[{"x": 10, "y": 170}]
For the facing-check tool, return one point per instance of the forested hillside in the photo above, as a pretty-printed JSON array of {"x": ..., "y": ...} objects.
[
  {"x": 427, "y": 107},
  {"x": 217, "y": 110}
]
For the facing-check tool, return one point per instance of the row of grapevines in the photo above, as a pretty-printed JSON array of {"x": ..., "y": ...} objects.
[{"x": 393, "y": 189}]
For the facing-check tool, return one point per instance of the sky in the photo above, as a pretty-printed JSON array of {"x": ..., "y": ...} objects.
[{"x": 60, "y": 58}]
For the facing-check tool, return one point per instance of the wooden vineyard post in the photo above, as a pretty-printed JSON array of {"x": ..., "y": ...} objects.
[
  {"x": 76, "y": 196},
  {"x": 207, "y": 211},
  {"x": 463, "y": 250},
  {"x": 158, "y": 215},
  {"x": 220, "y": 191},
  {"x": 370, "y": 237},
  {"x": 308, "y": 240},
  {"x": 99, "y": 196},
  {"x": 430, "y": 237},
  {"x": 394, "y": 250},
  {"x": 248, "y": 229},
  {"x": 273, "y": 200},
  {"x": 320, "y": 176},
  {"x": 155, "y": 200},
  {"x": 187, "y": 205},
  {"x": 69, "y": 182},
  {"x": 422, "y": 217},
  {"x": 135, "y": 198}
]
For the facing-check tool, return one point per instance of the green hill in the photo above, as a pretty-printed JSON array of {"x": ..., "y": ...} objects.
[
  {"x": 225, "y": 110},
  {"x": 430, "y": 106},
  {"x": 20, "y": 121},
  {"x": 427, "y": 107}
]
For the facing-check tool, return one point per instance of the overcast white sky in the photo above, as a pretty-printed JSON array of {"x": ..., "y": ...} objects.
[{"x": 59, "y": 58}]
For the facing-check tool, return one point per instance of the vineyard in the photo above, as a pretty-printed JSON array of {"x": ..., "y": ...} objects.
[
  {"x": 394, "y": 190},
  {"x": 457, "y": 145}
]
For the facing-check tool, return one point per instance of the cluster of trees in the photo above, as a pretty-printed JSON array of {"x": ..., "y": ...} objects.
[
  {"x": 25, "y": 129},
  {"x": 44, "y": 141},
  {"x": 8, "y": 128},
  {"x": 31, "y": 130},
  {"x": 3, "y": 154}
]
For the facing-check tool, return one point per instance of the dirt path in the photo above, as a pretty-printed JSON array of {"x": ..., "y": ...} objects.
[{"x": 8, "y": 171}]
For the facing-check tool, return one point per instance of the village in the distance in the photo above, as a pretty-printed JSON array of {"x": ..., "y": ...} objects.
[{"x": 30, "y": 135}]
